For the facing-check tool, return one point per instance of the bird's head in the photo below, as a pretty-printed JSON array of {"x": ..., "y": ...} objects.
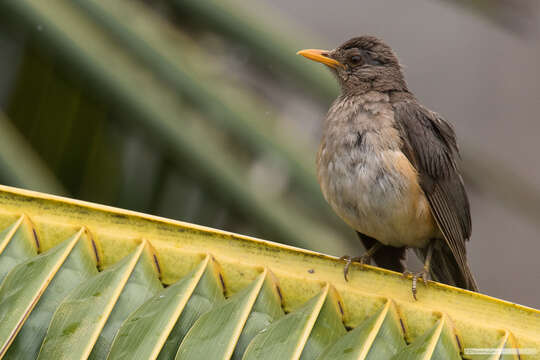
[{"x": 362, "y": 64}]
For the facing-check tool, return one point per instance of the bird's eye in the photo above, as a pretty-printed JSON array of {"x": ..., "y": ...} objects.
[{"x": 356, "y": 59}]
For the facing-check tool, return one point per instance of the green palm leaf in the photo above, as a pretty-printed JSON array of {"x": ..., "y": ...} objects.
[
  {"x": 224, "y": 305},
  {"x": 79, "y": 266}
]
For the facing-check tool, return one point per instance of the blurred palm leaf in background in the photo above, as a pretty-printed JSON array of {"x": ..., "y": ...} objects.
[{"x": 126, "y": 110}]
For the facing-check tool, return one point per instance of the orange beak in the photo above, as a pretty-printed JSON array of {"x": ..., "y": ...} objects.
[{"x": 319, "y": 56}]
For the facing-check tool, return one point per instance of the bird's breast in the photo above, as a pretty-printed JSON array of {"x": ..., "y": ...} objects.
[{"x": 368, "y": 181}]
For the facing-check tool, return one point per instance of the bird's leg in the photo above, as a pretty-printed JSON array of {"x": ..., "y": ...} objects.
[
  {"x": 424, "y": 274},
  {"x": 363, "y": 259}
]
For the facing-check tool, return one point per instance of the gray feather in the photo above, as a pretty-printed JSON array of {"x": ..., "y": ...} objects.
[{"x": 429, "y": 143}]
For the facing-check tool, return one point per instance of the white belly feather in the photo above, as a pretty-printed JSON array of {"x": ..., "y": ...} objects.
[{"x": 369, "y": 182}]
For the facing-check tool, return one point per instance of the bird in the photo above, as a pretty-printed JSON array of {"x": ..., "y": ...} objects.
[{"x": 389, "y": 167}]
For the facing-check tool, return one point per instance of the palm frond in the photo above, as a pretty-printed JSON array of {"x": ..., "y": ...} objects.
[{"x": 227, "y": 295}]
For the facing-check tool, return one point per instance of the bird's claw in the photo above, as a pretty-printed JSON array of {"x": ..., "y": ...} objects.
[
  {"x": 424, "y": 275},
  {"x": 348, "y": 260}
]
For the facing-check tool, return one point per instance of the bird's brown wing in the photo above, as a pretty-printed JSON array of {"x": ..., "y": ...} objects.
[{"x": 429, "y": 143}]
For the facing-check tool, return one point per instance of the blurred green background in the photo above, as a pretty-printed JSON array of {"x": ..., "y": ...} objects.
[{"x": 200, "y": 111}]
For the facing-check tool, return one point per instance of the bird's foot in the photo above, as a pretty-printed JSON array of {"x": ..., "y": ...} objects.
[
  {"x": 424, "y": 275},
  {"x": 364, "y": 259}
]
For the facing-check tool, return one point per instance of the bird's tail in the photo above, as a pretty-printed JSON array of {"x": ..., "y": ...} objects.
[{"x": 444, "y": 267}]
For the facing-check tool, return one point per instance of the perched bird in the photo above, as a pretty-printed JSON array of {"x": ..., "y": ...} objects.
[{"x": 389, "y": 166}]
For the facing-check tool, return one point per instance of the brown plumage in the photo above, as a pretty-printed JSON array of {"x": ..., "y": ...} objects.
[{"x": 389, "y": 167}]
